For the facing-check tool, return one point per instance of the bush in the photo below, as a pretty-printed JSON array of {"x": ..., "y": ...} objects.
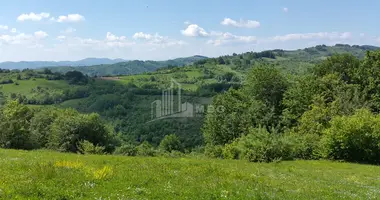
[
  {"x": 259, "y": 146},
  {"x": 86, "y": 147},
  {"x": 145, "y": 149},
  {"x": 214, "y": 151},
  {"x": 171, "y": 143},
  {"x": 126, "y": 150},
  {"x": 71, "y": 127},
  {"x": 14, "y": 125},
  {"x": 304, "y": 146},
  {"x": 353, "y": 138}
]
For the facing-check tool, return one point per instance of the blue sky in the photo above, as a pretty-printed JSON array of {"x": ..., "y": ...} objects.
[{"x": 163, "y": 29}]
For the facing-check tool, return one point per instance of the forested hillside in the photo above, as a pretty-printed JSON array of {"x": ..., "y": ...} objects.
[
  {"x": 296, "y": 61},
  {"x": 305, "y": 104},
  {"x": 129, "y": 67}
]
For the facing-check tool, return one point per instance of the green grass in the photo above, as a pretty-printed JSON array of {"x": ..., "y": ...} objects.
[
  {"x": 72, "y": 103},
  {"x": 51, "y": 175},
  {"x": 25, "y": 86}
]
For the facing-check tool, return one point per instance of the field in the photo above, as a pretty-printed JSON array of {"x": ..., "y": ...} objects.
[
  {"x": 25, "y": 86},
  {"x": 190, "y": 78},
  {"x": 52, "y": 175}
]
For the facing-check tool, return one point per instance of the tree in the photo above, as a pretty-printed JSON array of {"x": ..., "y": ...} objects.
[
  {"x": 298, "y": 98},
  {"x": 268, "y": 85},
  {"x": 14, "y": 126},
  {"x": 228, "y": 76},
  {"x": 40, "y": 125},
  {"x": 221, "y": 61},
  {"x": 232, "y": 117},
  {"x": 171, "y": 143},
  {"x": 72, "y": 127},
  {"x": 345, "y": 66},
  {"x": 76, "y": 77}
]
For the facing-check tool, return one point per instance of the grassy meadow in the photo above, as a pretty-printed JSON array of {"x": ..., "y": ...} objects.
[
  {"x": 52, "y": 175},
  {"x": 25, "y": 86}
]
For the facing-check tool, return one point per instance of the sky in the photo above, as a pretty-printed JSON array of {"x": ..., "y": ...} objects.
[{"x": 161, "y": 29}]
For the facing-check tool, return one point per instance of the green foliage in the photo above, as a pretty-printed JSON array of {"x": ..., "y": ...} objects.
[
  {"x": 14, "y": 125},
  {"x": 235, "y": 113},
  {"x": 303, "y": 146},
  {"x": 353, "y": 138},
  {"x": 129, "y": 67},
  {"x": 126, "y": 150},
  {"x": 86, "y": 147},
  {"x": 145, "y": 149},
  {"x": 267, "y": 84},
  {"x": 171, "y": 143},
  {"x": 344, "y": 65},
  {"x": 76, "y": 78},
  {"x": 40, "y": 125},
  {"x": 294, "y": 105},
  {"x": 259, "y": 146},
  {"x": 214, "y": 151},
  {"x": 71, "y": 127},
  {"x": 298, "y": 98}
]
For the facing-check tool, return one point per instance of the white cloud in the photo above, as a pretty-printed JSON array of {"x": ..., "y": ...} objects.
[
  {"x": 112, "y": 40},
  {"x": 40, "y": 34},
  {"x": 13, "y": 30},
  {"x": 157, "y": 39},
  {"x": 3, "y": 27},
  {"x": 241, "y": 24},
  {"x": 111, "y": 37},
  {"x": 378, "y": 40},
  {"x": 141, "y": 35},
  {"x": 69, "y": 18},
  {"x": 362, "y": 34},
  {"x": 69, "y": 30},
  {"x": 307, "y": 36},
  {"x": 187, "y": 22},
  {"x": 228, "y": 38},
  {"x": 285, "y": 9},
  {"x": 193, "y": 30},
  {"x": 33, "y": 16},
  {"x": 21, "y": 38}
]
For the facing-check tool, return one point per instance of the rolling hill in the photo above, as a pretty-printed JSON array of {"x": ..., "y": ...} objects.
[
  {"x": 200, "y": 78},
  {"x": 129, "y": 67},
  {"x": 40, "y": 64},
  {"x": 294, "y": 61}
]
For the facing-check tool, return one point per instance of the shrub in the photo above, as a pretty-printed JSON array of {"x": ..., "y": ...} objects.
[
  {"x": 14, "y": 125},
  {"x": 145, "y": 149},
  {"x": 304, "y": 146},
  {"x": 87, "y": 147},
  {"x": 259, "y": 146},
  {"x": 71, "y": 127},
  {"x": 214, "y": 151},
  {"x": 353, "y": 138},
  {"x": 171, "y": 143},
  {"x": 126, "y": 150},
  {"x": 231, "y": 151}
]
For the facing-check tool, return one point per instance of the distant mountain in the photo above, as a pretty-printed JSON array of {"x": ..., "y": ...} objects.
[
  {"x": 129, "y": 67},
  {"x": 41, "y": 64}
]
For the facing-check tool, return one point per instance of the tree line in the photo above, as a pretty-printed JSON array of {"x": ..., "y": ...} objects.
[{"x": 331, "y": 112}]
